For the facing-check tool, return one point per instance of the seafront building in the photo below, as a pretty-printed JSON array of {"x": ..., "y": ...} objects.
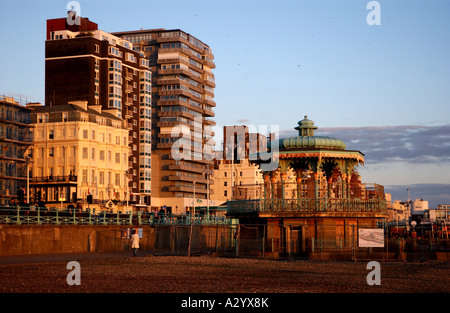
[
  {"x": 83, "y": 63},
  {"x": 15, "y": 138},
  {"x": 78, "y": 150},
  {"x": 182, "y": 111},
  {"x": 235, "y": 177}
]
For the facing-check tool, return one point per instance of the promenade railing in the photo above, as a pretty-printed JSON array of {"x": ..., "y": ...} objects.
[{"x": 15, "y": 215}]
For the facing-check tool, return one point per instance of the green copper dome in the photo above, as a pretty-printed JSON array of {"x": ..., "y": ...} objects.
[{"x": 307, "y": 140}]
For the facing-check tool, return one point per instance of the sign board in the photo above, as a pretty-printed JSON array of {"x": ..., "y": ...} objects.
[
  {"x": 126, "y": 232},
  {"x": 369, "y": 238}
]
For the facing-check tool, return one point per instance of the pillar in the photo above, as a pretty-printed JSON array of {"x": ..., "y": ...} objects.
[
  {"x": 283, "y": 187},
  {"x": 344, "y": 186},
  {"x": 273, "y": 180},
  {"x": 266, "y": 188},
  {"x": 299, "y": 187},
  {"x": 329, "y": 182},
  {"x": 316, "y": 187}
]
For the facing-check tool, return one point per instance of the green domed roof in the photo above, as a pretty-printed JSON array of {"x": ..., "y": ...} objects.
[{"x": 307, "y": 140}]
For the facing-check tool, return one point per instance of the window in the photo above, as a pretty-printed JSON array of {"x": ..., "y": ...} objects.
[
  {"x": 85, "y": 153},
  {"x": 101, "y": 178},
  {"x": 51, "y": 134},
  {"x": 45, "y": 118},
  {"x": 102, "y": 155},
  {"x": 51, "y": 152},
  {"x": 97, "y": 48},
  {"x": 85, "y": 134},
  {"x": 117, "y": 157},
  {"x": 84, "y": 177},
  {"x": 65, "y": 116},
  {"x": 93, "y": 154},
  {"x": 225, "y": 184},
  {"x": 117, "y": 179},
  {"x": 93, "y": 135}
]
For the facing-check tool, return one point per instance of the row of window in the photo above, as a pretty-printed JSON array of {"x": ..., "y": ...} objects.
[{"x": 101, "y": 155}]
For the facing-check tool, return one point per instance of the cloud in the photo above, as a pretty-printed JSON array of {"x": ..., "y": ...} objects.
[
  {"x": 408, "y": 143},
  {"x": 401, "y": 157}
]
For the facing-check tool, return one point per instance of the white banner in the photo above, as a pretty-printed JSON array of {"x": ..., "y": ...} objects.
[{"x": 371, "y": 238}]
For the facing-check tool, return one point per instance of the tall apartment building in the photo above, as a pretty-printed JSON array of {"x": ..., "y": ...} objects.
[
  {"x": 15, "y": 138},
  {"x": 83, "y": 63},
  {"x": 235, "y": 177},
  {"x": 78, "y": 150},
  {"x": 182, "y": 92}
]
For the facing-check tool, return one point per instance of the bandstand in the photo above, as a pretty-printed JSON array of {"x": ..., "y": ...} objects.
[{"x": 314, "y": 197}]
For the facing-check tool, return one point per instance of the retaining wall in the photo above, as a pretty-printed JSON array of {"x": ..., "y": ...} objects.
[{"x": 44, "y": 239}]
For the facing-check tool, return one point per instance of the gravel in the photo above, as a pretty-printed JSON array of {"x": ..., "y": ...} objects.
[{"x": 206, "y": 274}]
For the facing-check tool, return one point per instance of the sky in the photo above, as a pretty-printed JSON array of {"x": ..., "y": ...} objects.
[{"x": 382, "y": 89}]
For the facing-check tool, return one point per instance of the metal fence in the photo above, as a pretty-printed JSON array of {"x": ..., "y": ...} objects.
[
  {"x": 195, "y": 240},
  {"x": 328, "y": 242},
  {"x": 15, "y": 215}
]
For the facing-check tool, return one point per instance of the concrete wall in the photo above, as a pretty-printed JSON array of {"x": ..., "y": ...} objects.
[
  {"x": 46, "y": 239},
  {"x": 42, "y": 239}
]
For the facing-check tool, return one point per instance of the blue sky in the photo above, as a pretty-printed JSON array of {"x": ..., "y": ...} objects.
[{"x": 277, "y": 61}]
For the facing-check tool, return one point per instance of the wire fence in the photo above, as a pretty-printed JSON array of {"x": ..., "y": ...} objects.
[
  {"x": 357, "y": 242},
  {"x": 195, "y": 240}
]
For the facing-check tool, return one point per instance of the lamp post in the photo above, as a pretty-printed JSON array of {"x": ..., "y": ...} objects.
[
  {"x": 27, "y": 161},
  {"x": 190, "y": 233},
  {"x": 128, "y": 176},
  {"x": 194, "y": 198},
  {"x": 208, "y": 175}
]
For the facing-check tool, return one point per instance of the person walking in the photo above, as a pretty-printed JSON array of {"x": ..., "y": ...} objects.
[{"x": 134, "y": 241}]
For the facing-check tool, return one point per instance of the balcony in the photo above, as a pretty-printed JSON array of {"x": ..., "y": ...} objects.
[
  {"x": 53, "y": 179},
  {"x": 176, "y": 71},
  {"x": 209, "y": 122},
  {"x": 188, "y": 178},
  {"x": 128, "y": 113},
  {"x": 198, "y": 189},
  {"x": 187, "y": 168},
  {"x": 209, "y": 63}
]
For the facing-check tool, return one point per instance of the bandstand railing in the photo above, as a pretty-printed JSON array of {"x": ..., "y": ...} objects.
[{"x": 305, "y": 205}]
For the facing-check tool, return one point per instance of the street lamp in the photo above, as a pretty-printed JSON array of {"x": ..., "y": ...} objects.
[
  {"x": 208, "y": 175},
  {"x": 128, "y": 175},
  {"x": 28, "y": 161},
  {"x": 194, "y": 198},
  {"x": 190, "y": 233}
]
